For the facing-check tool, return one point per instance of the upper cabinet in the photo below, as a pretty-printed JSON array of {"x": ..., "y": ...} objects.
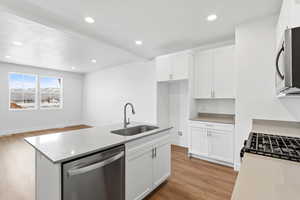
[
  {"x": 214, "y": 73},
  {"x": 289, "y": 17},
  {"x": 173, "y": 67}
]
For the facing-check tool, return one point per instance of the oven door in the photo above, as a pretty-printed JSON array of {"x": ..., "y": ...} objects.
[{"x": 96, "y": 177}]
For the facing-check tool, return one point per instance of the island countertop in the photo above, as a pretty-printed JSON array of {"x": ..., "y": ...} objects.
[{"x": 68, "y": 145}]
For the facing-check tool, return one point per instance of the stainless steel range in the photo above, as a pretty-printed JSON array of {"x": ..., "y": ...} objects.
[{"x": 276, "y": 146}]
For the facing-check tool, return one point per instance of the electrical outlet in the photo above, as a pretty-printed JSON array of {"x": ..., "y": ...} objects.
[{"x": 180, "y": 133}]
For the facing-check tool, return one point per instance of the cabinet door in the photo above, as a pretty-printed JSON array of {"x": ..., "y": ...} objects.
[
  {"x": 180, "y": 66},
  {"x": 139, "y": 174},
  {"x": 220, "y": 145},
  {"x": 198, "y": 141},
  {"x": 162, "y": 163},
  {"x": 224, "y": 72},
  {"x": 203, "y": 74},
  {"x": 163, "y": 68}
]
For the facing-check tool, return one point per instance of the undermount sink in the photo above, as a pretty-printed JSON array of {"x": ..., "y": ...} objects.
[{"x": 134, "y": 130}]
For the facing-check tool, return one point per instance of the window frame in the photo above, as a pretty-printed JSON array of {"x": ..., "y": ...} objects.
[
  {"x": 40, "y": 93},
  {"x": 36, "y": 106}
]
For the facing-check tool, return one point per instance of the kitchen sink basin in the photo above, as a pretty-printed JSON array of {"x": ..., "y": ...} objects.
[{"x": 134, "y": 130}]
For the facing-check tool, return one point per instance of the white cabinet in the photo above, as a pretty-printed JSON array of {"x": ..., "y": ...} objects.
[
  {"x": 162, "y": 163},
  {"x": 289, "y": 17},
  {"x": 214, "y": 73},
  {"x": 203, "y": 74},
  {"x": 163, "y": 68},
  {"x": 173, "y": 67},
  {"x": 148, "y": 164},
  {"x": 211, "y": 141},
  {"x": 221, "y": 145},
  {"x": 199, "y": 141},
  {"x": 139, "y": 174},
  {"x": 224, "y": 72}
]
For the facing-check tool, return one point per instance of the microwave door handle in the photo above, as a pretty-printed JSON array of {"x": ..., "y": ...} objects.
[
  {"x": 92, "y": 167},
  {"x": 277, "y": 62}
]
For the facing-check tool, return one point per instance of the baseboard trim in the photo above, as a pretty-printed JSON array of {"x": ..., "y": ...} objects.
[
  {"x": 237, "y": 167},
  {"x": 38, "y": 128},
  {"x": 211, "y": 160}
]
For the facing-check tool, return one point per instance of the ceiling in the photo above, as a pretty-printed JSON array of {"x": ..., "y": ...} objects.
[{"x": 164, "y": 26}]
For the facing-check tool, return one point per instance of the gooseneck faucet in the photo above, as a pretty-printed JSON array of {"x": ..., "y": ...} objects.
[{"x": 126, "y": 122}]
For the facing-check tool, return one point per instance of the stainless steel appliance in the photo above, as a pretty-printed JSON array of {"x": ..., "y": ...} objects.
[
  {"x": 99, "y": 176},
  {"x": 288, "y": 64}
]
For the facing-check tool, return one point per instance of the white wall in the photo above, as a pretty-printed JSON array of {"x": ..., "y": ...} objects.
[
  {"x": 256, "y": 98},
  {"x": 220, "y": 106},
  {"x": 172, "y": 109},
  {"x": 106, "y": 91},
  {"x": 178, "y": 111},
  {"x": 20, "y": 121}
]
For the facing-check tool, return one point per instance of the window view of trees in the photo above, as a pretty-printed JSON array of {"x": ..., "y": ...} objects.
[
  {"x": 23, "y": 90},
  {"x": 50, "y": 92}
]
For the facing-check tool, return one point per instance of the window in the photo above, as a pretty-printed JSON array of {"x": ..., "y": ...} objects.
[
  {"x": 50, "y": 92},
  {"x": 22, "y": 91}
]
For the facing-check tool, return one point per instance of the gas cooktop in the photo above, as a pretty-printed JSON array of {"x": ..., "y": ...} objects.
[{"x": 276, "y": 146}]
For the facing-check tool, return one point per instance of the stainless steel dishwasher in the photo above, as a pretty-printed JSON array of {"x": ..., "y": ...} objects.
[{"x": 100, "y": 176}]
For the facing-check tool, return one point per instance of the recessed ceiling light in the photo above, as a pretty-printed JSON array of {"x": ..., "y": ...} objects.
[
  {"x": 89, "y": 20},
  {"x": 73, "y": 68},
  {"x": 212, "y": 17},
  {"x": 138, "y": 42},
  {"x": 93, "y": 60},
  {"x": 17, "y": 43},
  {"x": 8, "y": 57}
]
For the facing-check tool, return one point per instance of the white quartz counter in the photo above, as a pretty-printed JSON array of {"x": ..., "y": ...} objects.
[{"x": 68, "y": 145}]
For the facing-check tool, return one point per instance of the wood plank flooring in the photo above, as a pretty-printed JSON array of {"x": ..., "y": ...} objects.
[{"x": 191, "y": 179}]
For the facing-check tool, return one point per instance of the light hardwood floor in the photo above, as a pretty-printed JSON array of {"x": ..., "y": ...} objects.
[{"x": 191, "y": 179}]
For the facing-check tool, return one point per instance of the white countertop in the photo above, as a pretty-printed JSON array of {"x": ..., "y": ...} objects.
[
  {"x": 68, "y": 145},
  {"x": 215, "y": 118}
]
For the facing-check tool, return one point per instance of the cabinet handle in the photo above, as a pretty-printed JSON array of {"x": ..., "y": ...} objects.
[
  {"x": 155, "y": 152},
  {"x": 212, "y": 93},
  {"x": 208, "y": 133}
]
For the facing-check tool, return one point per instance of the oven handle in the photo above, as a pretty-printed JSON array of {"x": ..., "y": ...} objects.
[
  {"x": 78, "y": 171},
  {"x": 277, "y": 62}
]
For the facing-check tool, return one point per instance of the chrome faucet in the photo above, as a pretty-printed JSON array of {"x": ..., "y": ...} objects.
[{"x": 126, "y": 122}]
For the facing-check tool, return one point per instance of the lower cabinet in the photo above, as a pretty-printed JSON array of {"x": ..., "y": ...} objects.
[
  {"x": 148, "y": 164},
  {"x": 199, "y": 141},
  {"x": 221, "y": 145},
  {"x": 139, "y": 175},
  {"x": 162, "y": 163},
  {"x": 211, "y": 141}
]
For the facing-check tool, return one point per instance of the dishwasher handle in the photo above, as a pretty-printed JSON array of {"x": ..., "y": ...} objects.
[{"x": 78, "y": 171}]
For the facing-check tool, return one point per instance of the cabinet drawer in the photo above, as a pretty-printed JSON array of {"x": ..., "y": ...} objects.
[
  {"x": 140, "y": 146},
  {"x": 210, "y": 125}
]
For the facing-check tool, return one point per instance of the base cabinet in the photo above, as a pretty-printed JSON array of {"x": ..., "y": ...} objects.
[
  {"x": 148, "y": 164},
  {"x": 211, "y": 141},
  {"x": 162, "y": 163},
  {"x": 139, "y": 175},
  {"x": 221, "y": 145},
  {"x": 199, "y": 141}
]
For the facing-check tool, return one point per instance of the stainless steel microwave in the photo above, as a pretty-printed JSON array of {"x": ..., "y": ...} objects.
[{"x": 288, "y": 64}]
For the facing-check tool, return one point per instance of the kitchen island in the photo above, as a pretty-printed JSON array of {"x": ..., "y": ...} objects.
[{"x": 146, "y": 159}]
